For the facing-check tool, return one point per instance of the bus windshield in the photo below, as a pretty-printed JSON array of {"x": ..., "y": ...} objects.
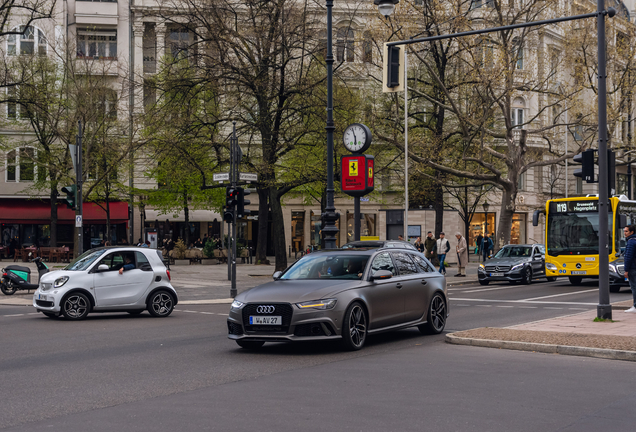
[{"x": 575, "y": 233}]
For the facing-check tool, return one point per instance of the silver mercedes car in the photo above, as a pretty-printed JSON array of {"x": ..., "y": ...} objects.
[{"x": 342, "y": 294}]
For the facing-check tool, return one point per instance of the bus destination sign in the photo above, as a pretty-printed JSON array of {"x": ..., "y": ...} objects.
[{"x": 574, "y": 206}]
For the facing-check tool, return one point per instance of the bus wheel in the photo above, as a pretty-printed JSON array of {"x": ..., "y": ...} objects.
[{"x": 576, "y": 280}]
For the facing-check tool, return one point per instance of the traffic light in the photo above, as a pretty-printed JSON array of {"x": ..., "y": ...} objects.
[
  {"x": 228, "y": 215},
  {"x": 70, "y": 192},
  {"x": 242, "y": 202},
  {"x": 611, "y": 172},
  {"x": 586, "y": 172},
  {"x": 393, "y": 69},
  {"x": 231, "y": 196}
]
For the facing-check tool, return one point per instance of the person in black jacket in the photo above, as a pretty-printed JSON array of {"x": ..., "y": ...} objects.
[{"x": 630, "y": 265}]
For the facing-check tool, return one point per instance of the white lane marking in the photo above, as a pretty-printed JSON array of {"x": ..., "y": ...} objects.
[
  {"x": 548, "y": 307},
  {"x": 34, "y": 313},
  {"x": 484, "y": 305},
  {"x": 527, "y": 307},
  {"x": 564, "y": 294},
  {"x": 525, "y": 301},
  {"x": 224, "y": 314},
  {"x": 505, "y": 306},
  {"x": 578, "y": 309},
  {"x": 462, "y": 305},
  {"x": 14, "y": 315},
  {"x": 492, "y": 289},
  {"x": 208, "y": 313},
  {"x": 189, "y": 311}
]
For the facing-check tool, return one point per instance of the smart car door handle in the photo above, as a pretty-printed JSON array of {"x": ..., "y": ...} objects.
[
  {"x": 399, "y": 286},
  {"x": 424, "y": 282}
]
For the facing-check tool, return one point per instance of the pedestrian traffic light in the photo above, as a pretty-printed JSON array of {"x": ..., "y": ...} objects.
[
  {"x": 586, "y": 172},
  {"x": 242, "y": 202},
  {"x": 228, "y": 215},
  {"x": 393, "y": 69},
  {"x": 231, "y": 196},
  {"x": 71, "y": 192}
]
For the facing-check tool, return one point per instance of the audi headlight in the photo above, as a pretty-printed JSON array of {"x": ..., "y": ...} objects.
[
  {"x": 517, "y": 267},
  {"x": 550, "y": 266},
  {"x": 59, "y": 282},
  {"x": 318, "y": 304},
  {"x": 237, "y": 304}
]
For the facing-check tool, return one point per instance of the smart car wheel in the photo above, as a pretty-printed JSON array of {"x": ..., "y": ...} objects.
[
  {"x": 354, "y": 329},
  {"x": 250, "y": 344},
  {"x": 436, "y": 318},
  {"x": 76, "y": 306},
  {"x": 527, "y": 276},
  {"x": 160, "y": 304}
]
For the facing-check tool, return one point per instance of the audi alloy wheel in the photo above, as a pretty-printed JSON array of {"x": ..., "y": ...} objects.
[
  {"x": 354, "y": 331},
  {"x": 436, "y": 318}
]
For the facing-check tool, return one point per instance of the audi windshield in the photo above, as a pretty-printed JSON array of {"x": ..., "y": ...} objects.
[{"x": 327, "y": 266}]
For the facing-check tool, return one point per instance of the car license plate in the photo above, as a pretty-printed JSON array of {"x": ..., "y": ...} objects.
[
  {"x": 575, "y": 272},
  {"x": 42, "y": 297},
  {"x": 265, "y": 320},
  {"x": 496, "y": 274}
]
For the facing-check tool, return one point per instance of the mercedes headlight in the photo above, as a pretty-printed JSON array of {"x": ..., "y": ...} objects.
[
  {"x": 517, "y": 267},
  {"x": 612, "y": 267},
  {"x": 550, "y": 266},
  {"x": 59, "y": 282},
  {"x": 318, "y": 304},
  {"x": 482, "y": 267},
  {"x": 236, "y": 304}
]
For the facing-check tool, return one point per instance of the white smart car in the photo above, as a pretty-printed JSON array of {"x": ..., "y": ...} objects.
[{"x": 93, "y": 283}]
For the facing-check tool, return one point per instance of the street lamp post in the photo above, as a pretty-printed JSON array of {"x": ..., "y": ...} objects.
[{"x": 486, "y": 206}]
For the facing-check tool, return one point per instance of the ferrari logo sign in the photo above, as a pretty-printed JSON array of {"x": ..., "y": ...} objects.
[
  {"x": 353, "y": 168},
  {"x": 370, "y": 172}
]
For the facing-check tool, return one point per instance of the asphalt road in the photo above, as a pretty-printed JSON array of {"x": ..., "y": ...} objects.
[{"x": 118, "y": 372}]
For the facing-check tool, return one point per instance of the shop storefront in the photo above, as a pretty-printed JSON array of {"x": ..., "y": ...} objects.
[
  {"x": 315, "y": 228},
  {"x": 478, "y": 226},
  {"x": 367, "y": 225}
]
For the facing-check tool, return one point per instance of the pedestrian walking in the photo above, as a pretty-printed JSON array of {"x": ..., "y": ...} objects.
[
  {"x": 478, "y": 241},
  {"x": 462, "y": 254},
  {"x": 442, "y": 246},
  {"x": 419, "y": 245},
  {"x": 430, "y": 246},
  {"x": 486, "y": 246},
  {"x": 630, "y": 264}
]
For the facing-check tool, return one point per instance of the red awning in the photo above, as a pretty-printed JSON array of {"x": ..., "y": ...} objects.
[{"x": 39, "y": 212}]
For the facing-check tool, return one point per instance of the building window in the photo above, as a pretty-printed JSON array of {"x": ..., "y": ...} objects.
[
  {"x": 622, "y": 182},
  {"x": 518, "y": 230},
  {"x": 97, "y": 44},
  {"x": 27, "y": 41},
  {"x": 298, "y": 231},
  {"x": 522, "y": 181},
  {"x": 517, "y": 47},
  {"x": 367, "y": 48},
  {"x": 517, "y": 113},
  {"x": 13, "y": 108},
  {"x": 344, "y": 45},
  {"x": 367, "y": 225},
  {"x": 21, "y": 165},
  {"x": 179, "y": 41}
]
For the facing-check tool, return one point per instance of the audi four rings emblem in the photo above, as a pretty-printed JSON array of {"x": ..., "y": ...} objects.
[{"x": 265, "y": 309}]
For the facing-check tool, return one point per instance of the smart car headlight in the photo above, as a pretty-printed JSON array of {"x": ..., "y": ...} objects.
[
  {"x": 550, "y": 266},
  {"x": 237, "y": 304},
  {"x": 59, "y": 282},
  {"x": 517, "y": 267},
  {"x": 318, "y": 304}
]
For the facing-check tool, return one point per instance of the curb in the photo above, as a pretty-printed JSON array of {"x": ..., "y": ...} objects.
[{"x": 545, "y": 348}]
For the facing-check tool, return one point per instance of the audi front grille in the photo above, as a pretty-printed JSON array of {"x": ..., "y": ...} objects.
[{"x": 284, "y": 310}]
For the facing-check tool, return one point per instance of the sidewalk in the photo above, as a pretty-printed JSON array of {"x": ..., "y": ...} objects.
[{"x": 576, "y": 334}]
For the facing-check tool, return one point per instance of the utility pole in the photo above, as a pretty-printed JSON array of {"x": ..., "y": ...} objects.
[{"x": 78, "y": 181}]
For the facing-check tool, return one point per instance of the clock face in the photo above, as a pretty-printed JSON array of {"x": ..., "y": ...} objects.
[{"x": 357, "y": 138}]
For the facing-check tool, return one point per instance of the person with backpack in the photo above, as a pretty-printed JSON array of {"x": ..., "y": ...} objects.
[
  {"x": 630, "y": 265},
  {"x": 442, "y": 246}
]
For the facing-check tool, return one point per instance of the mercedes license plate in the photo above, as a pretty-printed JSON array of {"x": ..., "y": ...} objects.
[
  {"x": 496, "y": 274},
  {"x": 575, "y": 272},
  {"x": 265, "y": 320}
]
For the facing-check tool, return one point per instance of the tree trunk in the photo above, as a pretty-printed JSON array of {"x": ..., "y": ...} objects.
[
  {"x": 504, "y": 227},
  {"x": 263, "y": 213},
  {"x": 278, "y": 228},
  {"x": 439, "y": 206},
  {"x": 53, "y": 199}
]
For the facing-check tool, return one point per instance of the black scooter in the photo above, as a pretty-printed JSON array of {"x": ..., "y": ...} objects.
[{"x": 15, "y": 277}]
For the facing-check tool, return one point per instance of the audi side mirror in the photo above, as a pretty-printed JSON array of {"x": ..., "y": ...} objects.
[
  {"x": 277, "y": 275},
  {"x": 381, "y": 274}
]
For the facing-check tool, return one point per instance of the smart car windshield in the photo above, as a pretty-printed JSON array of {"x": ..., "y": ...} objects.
[
  {"x": 85, "y": 260},
  {"x": 513, "y": 252},
  {"x": 323, "y": 266}
]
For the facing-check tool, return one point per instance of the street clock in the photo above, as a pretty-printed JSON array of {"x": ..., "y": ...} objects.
[{"x": 357, "y": 138}]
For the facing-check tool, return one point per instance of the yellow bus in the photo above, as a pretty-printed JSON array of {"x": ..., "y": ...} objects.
[{"x": 571, "y": 235}]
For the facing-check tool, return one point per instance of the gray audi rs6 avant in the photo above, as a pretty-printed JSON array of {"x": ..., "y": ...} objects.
[{"x": 342, "y": 294}]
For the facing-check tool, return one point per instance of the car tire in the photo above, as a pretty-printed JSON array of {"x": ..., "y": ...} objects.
[
  {"x": 576, "y": 280},
  {"x": 75, "y": 306},
  {"x": 7, "y": 290},
  {"x": 160, "y": 304},
  {"x": 483, "y": 282},
  {"x": 551, "y": 278},
  {"x": 436, "y": 317},
  {"x": 354, "y": 328},
  {"x": 50, "y": 315},
  {"x": 527, "y": 276},
  {"x": 136, "y": 312},
  {"x": 250, "y": 345},
  {"x": 614, "y": 288}
]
